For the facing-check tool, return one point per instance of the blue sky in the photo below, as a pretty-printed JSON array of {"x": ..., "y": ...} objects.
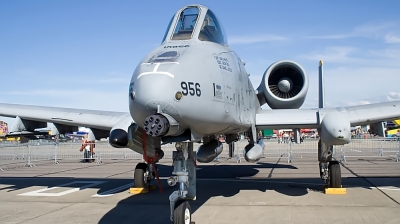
[{"x": 81, "y": 54}]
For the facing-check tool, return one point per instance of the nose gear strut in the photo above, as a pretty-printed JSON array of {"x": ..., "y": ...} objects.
[{"x": 185, "y": 174}]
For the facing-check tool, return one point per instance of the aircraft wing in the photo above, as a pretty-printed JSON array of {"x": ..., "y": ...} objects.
[
  {"x": 311, "y": 118},
  {"x": 103, "y": 120}
]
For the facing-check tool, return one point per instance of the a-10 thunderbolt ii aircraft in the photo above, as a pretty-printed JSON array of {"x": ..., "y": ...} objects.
[{"x": 192, "y": 88}]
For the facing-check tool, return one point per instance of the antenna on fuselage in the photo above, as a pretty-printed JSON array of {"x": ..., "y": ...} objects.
[{"x": 321, "y": 93}]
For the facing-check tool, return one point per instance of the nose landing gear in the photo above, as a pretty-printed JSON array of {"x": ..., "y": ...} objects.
[{"x": 185, "y": 174}]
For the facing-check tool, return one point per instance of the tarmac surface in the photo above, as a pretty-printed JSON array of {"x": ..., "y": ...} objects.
[{"x": 271, "y": 191}]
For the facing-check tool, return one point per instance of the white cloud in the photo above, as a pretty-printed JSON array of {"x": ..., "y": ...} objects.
[
  {"x": 361, "y": 102},
  {"x": 250, "y": 39},
  {"x": 369, "y": 30},
  {"x": 351, "y": 56},
  {"x": 114, "y": 80},
  {"x": 374, "y": 29},
  {"x": 391, "y": 55},
  {"x": 335, "y": 36},
  {"x": 391, "y": 96},
  {"x": 79, "y": 98},
  {"x": 392, "y": 39},
  {"x": 333, "y": 54},
  {"x": 51, "y": 92}
]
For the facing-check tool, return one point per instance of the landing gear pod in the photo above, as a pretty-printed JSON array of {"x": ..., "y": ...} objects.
[
  {"x": 252, "y": 153},
  {"x": 209, "y": 151},
  {"x": 335, "y": 128}
]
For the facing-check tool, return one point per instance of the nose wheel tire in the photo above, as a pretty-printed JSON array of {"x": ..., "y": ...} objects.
[
  {"x": 334, "y": 175},
  {"x": 140, "y": 178},
  {"x": 182, "y": 212}
]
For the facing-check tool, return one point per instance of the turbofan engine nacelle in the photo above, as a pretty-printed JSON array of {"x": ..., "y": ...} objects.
[
  {"x": 209, "y": 151},
  {"x": 284, "y": 85}
]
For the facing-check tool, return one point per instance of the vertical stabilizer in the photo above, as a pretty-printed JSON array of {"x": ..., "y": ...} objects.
[{"x": 321, "y": 93}]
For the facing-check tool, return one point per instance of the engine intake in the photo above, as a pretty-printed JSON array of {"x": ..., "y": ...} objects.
[{"x": 284, "y": 85}]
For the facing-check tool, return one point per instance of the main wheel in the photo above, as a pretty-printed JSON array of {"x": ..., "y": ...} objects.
[
  {"x": 139, "y": 176},
  {"x": 182, "y": 212},
  {"x": 335, "y": 176}
]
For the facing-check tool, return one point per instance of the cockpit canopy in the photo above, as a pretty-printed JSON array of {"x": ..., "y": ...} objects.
[
  {"x": 195, "y": 22},
  {"x": 185, "y": 24}
]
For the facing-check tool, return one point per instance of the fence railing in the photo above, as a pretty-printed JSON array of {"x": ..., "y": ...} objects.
[
  {"x": 19, "y": 155},
  {"x": 360, "y": 148}
]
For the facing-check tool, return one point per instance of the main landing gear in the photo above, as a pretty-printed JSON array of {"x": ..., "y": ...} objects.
[
  {"x": 184, "y": 175},
  {"x": 329, "y": 168}
]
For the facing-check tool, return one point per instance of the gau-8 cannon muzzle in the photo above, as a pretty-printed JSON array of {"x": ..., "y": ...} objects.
[{"x": 159, "y": 125}]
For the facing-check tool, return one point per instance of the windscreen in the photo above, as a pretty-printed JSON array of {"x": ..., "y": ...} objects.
[{"x": 186, "y": 24}]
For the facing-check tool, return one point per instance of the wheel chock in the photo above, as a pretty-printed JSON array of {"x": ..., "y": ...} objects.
[
  {"x": 339, "y": 190},
  {"x": 141, "y": 190},
  {"x": 138, "y": 190}
]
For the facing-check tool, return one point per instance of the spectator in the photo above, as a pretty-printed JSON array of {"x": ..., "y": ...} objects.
[
  {"x": 280, "y": 137},
  {"x": 88, "y": 146},
  {"x": 285, "y": 137}
]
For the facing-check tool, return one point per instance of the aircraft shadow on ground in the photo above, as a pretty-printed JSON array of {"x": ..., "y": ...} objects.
[
  {"x": 215, "y": 181},
  {"x": 212, "y": 181}
]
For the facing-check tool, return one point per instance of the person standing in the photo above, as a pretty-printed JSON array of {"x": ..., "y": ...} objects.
[
  {"x": 285, "y": 137},
  {"x": 88, "y": 146},
  {"x": 280, "y": 137}
]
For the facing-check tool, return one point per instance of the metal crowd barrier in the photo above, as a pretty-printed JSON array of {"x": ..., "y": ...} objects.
[
  {"x": 272, "y": 149},
  {"x": 27, "y": 155},
  {"x": 360, "y": 148},
  {"x": 385, "y": 147}
]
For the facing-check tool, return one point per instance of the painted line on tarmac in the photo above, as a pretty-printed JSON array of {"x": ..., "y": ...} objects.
[
  {"x": 389, "y": 188},
  {"x": 112, "y": 191},
  {"x": 40, "y": 191}
]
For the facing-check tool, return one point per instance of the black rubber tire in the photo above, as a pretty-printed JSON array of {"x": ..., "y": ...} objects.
[
  {"x": 335, "y": 176},
  {"x": 179, "y": 212},
  {"x": 138, "y": 175}
]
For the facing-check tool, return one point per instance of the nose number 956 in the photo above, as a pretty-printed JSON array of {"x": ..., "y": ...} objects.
[{"x": 191, "y": 88}]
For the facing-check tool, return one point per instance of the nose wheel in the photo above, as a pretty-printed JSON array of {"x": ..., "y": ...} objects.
[
  {"x": 184, "y": 175},
  {"x": 334, "y": 175},
  {"x": 182, "y": 212}
]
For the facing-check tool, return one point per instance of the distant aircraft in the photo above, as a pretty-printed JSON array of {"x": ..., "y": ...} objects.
[{"x": 192, "y": 88}]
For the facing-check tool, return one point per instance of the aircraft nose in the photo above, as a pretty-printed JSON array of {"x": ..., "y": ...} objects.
[
  {"x": 153, "y": 88},
  {"x": 150, "y": 93}
]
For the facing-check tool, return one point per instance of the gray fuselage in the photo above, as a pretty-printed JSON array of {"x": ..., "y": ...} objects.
[{"x": 217, "y": 95}]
